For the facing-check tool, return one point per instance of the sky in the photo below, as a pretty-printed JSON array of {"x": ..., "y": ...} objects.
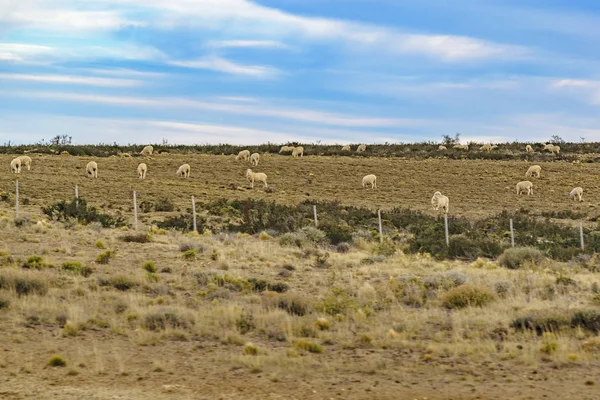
[{"x": 312, "y": 71}]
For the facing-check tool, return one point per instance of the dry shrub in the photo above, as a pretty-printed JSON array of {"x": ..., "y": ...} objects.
[
  {"x": 516, "y": 258},
  {"x": 311, "y": 347},
  {"x": 467, "y": 296},
  {"x": 23, "y": 284},
  {"x": 163, "y": 319}
]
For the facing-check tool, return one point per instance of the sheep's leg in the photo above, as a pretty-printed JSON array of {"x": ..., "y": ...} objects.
[
  {"x": 252, "y": 185},
  {"x": 266, "y": 184}
]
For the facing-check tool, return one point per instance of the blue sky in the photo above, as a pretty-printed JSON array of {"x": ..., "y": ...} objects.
[{"x": 336, "y": 71}]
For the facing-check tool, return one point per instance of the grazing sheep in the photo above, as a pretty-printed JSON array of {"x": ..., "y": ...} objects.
[
  {"x": 524, "y": 185},
  {"x": 440, "y": 201},
  {"x": 361, "y": 148},
  {"x": 26, "y": 161},
  {"x": 461, "y": 146},
  {"x": 256, "y": 176},
  {"x": 442, "y": 148},
  {"x": 15, "y": 165},
  {"x": 486, "y": 147},
  {"x": 576, "y": 193},
  {"x": 243, "y": 155},
  {"x": 533, "y": 171},
  {"x": 147, "y": 151},
  {"x": 254, "y": 158},
  {"x": 370, "y": 180},
  {"x": 347, "y": 148},
  {"x": 298, "y": 151},
  {"x": 286, "y": 149},
  {"x": 92, "y": 169},
  {"x": 552, "y": 148},
  {"x": 184, "y": 171},
  {"x": 529, "y": 149},
  {"x": 142, "y": 170}
]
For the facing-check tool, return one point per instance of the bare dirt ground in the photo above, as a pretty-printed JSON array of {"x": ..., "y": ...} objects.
[
  {"x": 475, "y": 188},
  {"x": 195, "y": 328}
]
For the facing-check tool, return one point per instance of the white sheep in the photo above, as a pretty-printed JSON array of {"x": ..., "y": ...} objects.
[
  {"x": 461, "y": 146},
  {"x": 243, "y": 155},
  {"x": 347, "y": 148},
  {"x": 142, "y": 170},
  {"x": 552, "y": 148},
  {"x": 92, "y": 169},
  {"x": 486, "y": 147},
  {"x": 361, "y": 148},
  {"x": 576, "y": 194},
  {"x": 525, "y": 185},
  {"x": 440, "y": 201},
  {"x": 26, "y": 161},
  {"x": 442, "y": 148},
  {"x": 254, "y": 158},
  {"x": 298, "y": 151},
  {"x": 529, "y": 149},
  {"x": 286, "y": 149},
  {"x": 15, "y": 165},
  {"x": 370, "y": 180},
  {"x": 147, "y": 151},
  {"x": 184, "y": 171},
  {"x": 533, "y": 171},
  {"x": 256, "y": 176}
]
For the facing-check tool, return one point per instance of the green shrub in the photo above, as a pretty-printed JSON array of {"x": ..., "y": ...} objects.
[
  {"x": 79, "y": 210},
  {"x": 386, "y": 248},
  {"x": 136, "y": 238},
  {"x": 467, "y": 296},
  {"x": 119, "y": 282},
  {"x": 77, "y": 268},
  {"x": 104, "y": 258},
  {"x": 588, "y": 320},
  {"x": 543, "y": 321},
  {"x": 517, "y": 257},
  {"x": 337, "y": 233},
  {"x": 4, "y": 303},
  {"x": 35, "y": 262},
  {"x": 311, "y": 347},
  {"x": 294, "y": 304},
  {"x": 338, "y": 301},
  {"x": 57, "y": 361},
  {"x": 163, "y": 319},
  {"x": 189, "y": 255},
  {"x": 149, "y": 266},
  {"x": 100, "y": 244}
]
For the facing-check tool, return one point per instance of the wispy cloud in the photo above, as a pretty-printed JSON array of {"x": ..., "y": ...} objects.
[
  {"x": 75, "y": 80},
  {"x": 265, "y": 44},
  {"x": 261, "y": 109},
  {"x": 222, "y": 65}
]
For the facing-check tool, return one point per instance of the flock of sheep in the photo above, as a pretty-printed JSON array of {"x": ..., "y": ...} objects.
[
  {"x": 554, "y": 149},
  {"x": 438, "y": 201}
]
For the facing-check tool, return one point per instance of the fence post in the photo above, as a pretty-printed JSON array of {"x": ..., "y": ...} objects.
[
  {"x": 581, "y": 235},
  {"x": 315, "y": 214},
  {"x": 446, "y": 229},
  {"x": 512, "y": 234},
  {"x": 76, "y": 196},
  {"x": 194, "y": 213},
  {"x": 135, "y": 210},
  {"x": 380, "y": 226},
  {"x": 17, "y": 200}
]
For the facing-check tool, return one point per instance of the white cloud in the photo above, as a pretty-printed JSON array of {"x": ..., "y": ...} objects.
[
  {"x": 576, "y": 83},
  {"x": 75, "y": 80},
  {"x": 262, "y": 110},
  {"x": 222, "y": 65},
  {"x": 267, "y": 44},
  {"x": 9, "y": 57}
]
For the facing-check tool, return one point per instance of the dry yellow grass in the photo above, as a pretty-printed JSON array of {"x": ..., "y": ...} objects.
[{"x": 194, "y": 328}]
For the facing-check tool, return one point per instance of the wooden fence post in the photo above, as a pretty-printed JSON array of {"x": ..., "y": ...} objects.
[
  {"x": 315, "y": 214},
  {"x": 446, "y": 229},
  {"x": 135, "y": 213},
  {"x": 581, "y": 235},
  {"x": 17, "y": 200},
  {"x": 76, "y": 196},
  {"x": 512, "y": 234},
  {"x": 194, "y": 214}
]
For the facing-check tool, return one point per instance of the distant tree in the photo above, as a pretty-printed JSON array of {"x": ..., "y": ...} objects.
[
  {"x": 60, "y": 140},
  {"x": 582, "y": 139},
  {"x": 447, "y": 139},
  {"x": 556, "y": 139}
]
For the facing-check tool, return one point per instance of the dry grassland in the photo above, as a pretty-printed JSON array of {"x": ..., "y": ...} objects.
[
  {"x": 475, "y": 188},
  {"x": 240, "y": 317}
]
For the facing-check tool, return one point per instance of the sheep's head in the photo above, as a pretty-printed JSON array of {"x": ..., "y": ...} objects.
[{"x": 248, "y": 172}]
